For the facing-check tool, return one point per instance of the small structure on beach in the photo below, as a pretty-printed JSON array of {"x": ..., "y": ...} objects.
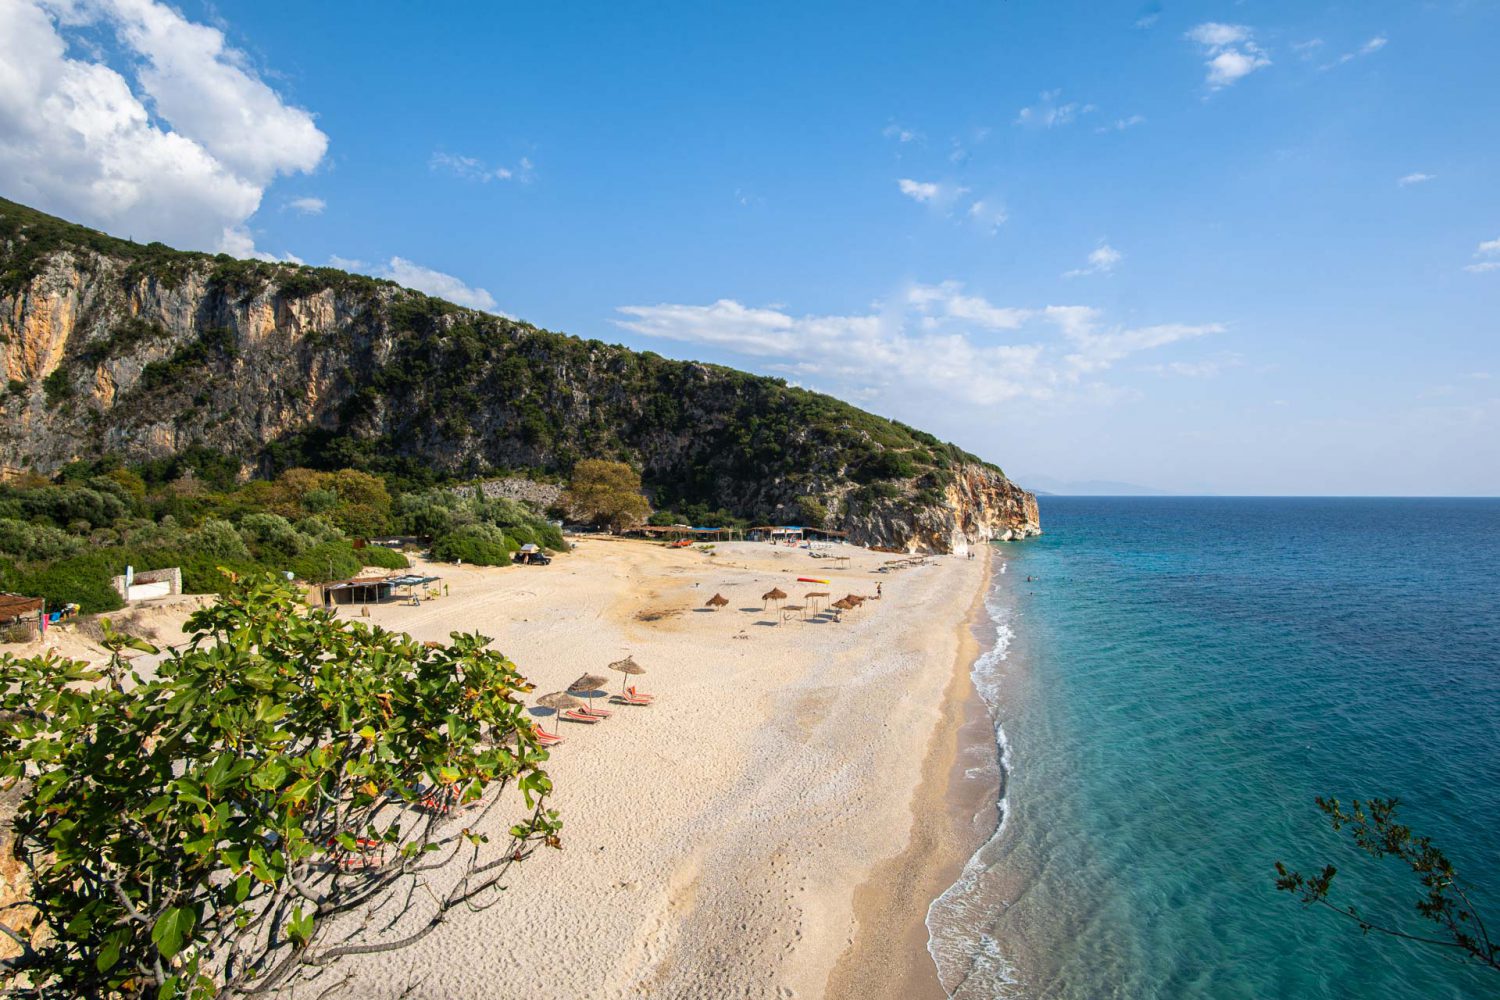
[
  {"x": 559, "y": 702},
  {"x": 144, "y": 586},
  {"x": 716, "y": 602},
  {"x": 629, "y": 668},
  {"x": 588, "y": 685},
  {"x": 375, "y": 589},
  {"x": 775, "y": 594}
]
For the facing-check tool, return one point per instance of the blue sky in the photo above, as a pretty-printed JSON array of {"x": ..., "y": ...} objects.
[{"x": 1218, "y": 247}]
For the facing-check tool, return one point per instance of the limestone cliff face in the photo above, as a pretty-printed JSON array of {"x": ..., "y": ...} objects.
[
  {"x": 981, "y": 506},
  {"x": 143, "y": 352}
]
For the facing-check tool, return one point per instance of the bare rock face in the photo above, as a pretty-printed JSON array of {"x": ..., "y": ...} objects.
[
  {"x": 982, "y": 506},
  {"x": 143, "y": 352}
]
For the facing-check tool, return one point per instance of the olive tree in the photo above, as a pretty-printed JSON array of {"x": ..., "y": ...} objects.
[
  {"x": 289, "y": 788},
  {"x": 606, "y": 493}
]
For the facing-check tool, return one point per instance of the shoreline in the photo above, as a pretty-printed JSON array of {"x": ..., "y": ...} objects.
[{"x": 951, "y": 818}]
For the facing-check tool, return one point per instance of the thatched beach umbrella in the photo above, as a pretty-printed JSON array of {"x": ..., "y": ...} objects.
[
  {"x": 587, "y": 685},
  {"x": 716, "y": 602},
  {"x": 629, "y": 668},
  {"x": 774, "y": 594},
  {"x": 789, "y": 608},
  {"x": 558, "y": 701},
  {"x": 814, "y": 596},
  {"x": 853, "y": 600}
]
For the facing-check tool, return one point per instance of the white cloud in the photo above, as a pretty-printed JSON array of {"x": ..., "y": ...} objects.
[
  {"x": 444, "y": 286},
  {"x": 1487, "y": 256},
  {"x": 901, "y": 134},
  {"x": 1121, "y": 124},
  {"x": 1049, "y": 113},
  {"x": 988, "y": 214},
  {"x": 473, "y": 169},
  {"x": 1417, "y": 178},
  {"x": 346, "y": 263},
  {"x": 237, "y": 241},
  {"x": 923, "y": 191},
  {"x": 1231, "y": 50},
  {"x": 934, "y": 341},
  {"x": 1194, "y": 369},
  {"x": 1147, "y": 20},
  {"x": 308, "y": 206},
  {"x": 1368, "y": 48},
  {"x": 1102, "y": 260},
  {"x": 183, "y": 153}
]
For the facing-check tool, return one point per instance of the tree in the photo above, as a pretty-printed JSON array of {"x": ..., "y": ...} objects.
[
  {"x": 606, "y": 493},
  {"x": 1445, "y": 900},
  {"x": 231, "y": 827}
]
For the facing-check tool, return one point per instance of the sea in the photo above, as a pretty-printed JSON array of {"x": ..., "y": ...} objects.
[{"x": 1172, "y": 683}]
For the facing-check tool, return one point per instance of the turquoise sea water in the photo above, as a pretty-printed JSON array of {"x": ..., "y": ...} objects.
[{"x": 1176, "y": 682}]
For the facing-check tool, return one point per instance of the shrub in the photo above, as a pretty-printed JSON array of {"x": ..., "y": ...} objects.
[
  {"x": 326, "y": 561},
  {"x": 319, "y": 529},
  {"x": 83, "y": 580},
  {"x": 272, "y": 537},
  {"x": 36, "y": 541},
  {"x": 480, "y": 544},
  {"x": 382, "y": 557},
  {"x": 217, "y": 539},
  {"x": 166, "y": 818}
]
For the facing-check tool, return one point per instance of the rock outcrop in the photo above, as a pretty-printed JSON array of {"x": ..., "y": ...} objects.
[{"x": 111, "y": 348}]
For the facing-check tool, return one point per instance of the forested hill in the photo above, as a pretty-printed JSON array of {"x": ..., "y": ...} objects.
[{"x": 141, "y": 351}]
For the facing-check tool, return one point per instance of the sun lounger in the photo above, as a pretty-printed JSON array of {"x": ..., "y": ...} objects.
[
  {"x": 545, "y": 738},
  {"x": 601, "y": 713},
  {"x": 639, "y": 694},
  {"x": 625, "y": 699},
  {"x": 573, "y": 716}
]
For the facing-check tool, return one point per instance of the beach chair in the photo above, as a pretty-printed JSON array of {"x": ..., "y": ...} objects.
[
  {"x": 598, "y": 713},
  {"x": 367, "y": 853},
  {"x": 575, "y": 716},
  {"x": 625, "y": 699},
  {"x": 545, "y": 738},
  {"x": 440, "y": 801},
  {"x": 639, "y": 694}
]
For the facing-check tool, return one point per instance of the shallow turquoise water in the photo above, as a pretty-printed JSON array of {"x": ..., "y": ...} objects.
[{"x": 1177, "y": 681}]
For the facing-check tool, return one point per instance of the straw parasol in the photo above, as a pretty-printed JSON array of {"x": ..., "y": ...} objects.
[
  {"x": 716, "y": 602},
  {"x": 774, "y": 594},
  {"x": 628, "y": 667},
  {"x": 814, "y": 596},
  {"x": 789, "y": 608},
  {"x": 558, "y": 701},
  {"x": 587, "y": 685},
  {"x": 840, "y": 605},
  {"x": 854, "y": 600}
]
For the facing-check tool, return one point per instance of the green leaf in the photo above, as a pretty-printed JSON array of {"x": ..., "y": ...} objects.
[
  {"x": 109, "y": 954},
  {"x": 300, "y": 927},
  {"x": 172, "y": 929}
]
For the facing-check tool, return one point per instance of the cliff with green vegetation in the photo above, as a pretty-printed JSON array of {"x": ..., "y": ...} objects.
[{"x": 146, "y": 354}]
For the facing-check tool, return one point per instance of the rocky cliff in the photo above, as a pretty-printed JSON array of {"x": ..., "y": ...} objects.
[{"x": 110, "y": 347}]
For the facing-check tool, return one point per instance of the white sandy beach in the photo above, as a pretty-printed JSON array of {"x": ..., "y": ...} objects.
[{"x": 714, "y": 841}]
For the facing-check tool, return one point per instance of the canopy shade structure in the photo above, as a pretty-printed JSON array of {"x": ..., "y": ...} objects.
[
  {"x": 628, "y": 667},
  {"x": 587, "y": 685},
  {"x": 559, "y": 702},
  {"x": 717, "y": 601}
]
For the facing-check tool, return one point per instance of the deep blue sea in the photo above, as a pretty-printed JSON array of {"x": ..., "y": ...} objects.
[{"x": 1173, "y": 684}]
